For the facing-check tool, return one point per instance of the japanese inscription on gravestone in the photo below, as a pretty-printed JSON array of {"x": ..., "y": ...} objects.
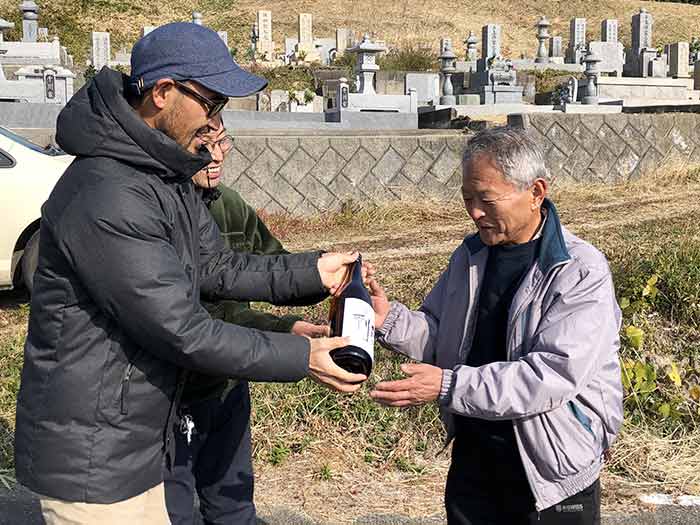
[
  {"x": 608, "y": 30},
  {"x": 306, "y": 32}
]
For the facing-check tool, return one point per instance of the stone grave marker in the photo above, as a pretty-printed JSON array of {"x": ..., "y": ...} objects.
[
  {"x": 679, "y": 55},
  {"x": 306, "y": 36},
  {"x": 642, "y": 27},
  {"x": 101, "y": 49},
  {"x": 577, "y": 40},
  {"x": 556, "y": 50},
  {"x": 611, "y": 54},
  {"x": 608, "y": 30},
  {"x": 490, "y": 44},
  {"x": 265, "y": 44}
]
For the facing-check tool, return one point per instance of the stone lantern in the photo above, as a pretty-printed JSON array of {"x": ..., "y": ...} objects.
[
  {"x": 448, "y": 65},
  {"x": 366, "y": 67},
  {"x": 591, "y": 96},
  {"x": 542, "y": 35},
  {"x": 471, "y": 42},
  {"x": 30, "y": 20}
]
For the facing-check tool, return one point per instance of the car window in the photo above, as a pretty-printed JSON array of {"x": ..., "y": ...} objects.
[
  {"x": 6, "y": 160},
  {"x": 51, "y": 151}
]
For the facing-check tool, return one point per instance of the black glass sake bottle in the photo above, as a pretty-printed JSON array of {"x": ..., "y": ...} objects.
[{"x": 352, "y": 316}]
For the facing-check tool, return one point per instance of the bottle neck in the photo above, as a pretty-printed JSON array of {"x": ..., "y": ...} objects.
[{"x": 357, "y": 269}]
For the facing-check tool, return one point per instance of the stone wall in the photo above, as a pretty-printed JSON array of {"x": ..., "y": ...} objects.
[
  {"x": 303, "y": 172},
  {"x": 614, "y": 148},
  {"x": 310, "y": 173}
]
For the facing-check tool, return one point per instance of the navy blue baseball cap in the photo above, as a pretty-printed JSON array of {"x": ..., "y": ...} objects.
[{"x": 187, "y": 51}]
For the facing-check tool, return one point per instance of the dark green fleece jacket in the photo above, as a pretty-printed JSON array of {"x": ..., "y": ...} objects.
[{"x": 242, "y": 231}]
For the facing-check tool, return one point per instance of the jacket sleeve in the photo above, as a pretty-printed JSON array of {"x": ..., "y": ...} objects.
[
  {"x": 414, "y": 333},
  {"x": 571, "y": 341},
  {"x": 278, "y": 279},
  {"x": 242, "y": 315},
  {"x": 117, "y": 240}
]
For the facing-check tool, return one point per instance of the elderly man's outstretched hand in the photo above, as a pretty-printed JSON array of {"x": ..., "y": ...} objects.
[{"x": 421, "y": 386}]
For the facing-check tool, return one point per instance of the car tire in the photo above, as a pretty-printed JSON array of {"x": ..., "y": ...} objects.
[{"x": 30, "y": 260}]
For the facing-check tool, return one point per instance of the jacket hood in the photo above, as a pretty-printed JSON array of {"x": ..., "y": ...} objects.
[{"x": 99, "y": 122}]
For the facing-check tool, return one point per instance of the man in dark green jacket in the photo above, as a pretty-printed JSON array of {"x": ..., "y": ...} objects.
[{"x": 213, "y": 449}]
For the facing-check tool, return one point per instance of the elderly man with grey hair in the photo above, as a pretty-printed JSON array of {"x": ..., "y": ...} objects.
[{"x": 518, "y": 342}]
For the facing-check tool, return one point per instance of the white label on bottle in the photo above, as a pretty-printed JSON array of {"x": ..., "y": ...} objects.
[{"x": 358, "y": 324}]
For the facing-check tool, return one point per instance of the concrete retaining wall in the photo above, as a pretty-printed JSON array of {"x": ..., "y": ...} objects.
[
  {"x": 313, "y": 170},
  {"x": 614, "y": 148},
  {"x": 307, "y": 174}
]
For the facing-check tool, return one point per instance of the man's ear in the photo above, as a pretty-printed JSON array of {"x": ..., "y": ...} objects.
[
  {"x": 162, "y": 92},
  {"x": 539, "y": 192}
]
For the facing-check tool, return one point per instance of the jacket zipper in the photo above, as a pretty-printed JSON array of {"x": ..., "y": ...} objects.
[
  {"x": 126, "y": 380},
  {"x": 526, "y": 304}
]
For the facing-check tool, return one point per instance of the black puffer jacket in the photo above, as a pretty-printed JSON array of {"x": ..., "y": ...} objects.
[{"x": 126, "y": 248}]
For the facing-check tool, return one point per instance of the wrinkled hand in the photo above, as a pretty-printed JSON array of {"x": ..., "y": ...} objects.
[
  {"x": 334, "y": 269},
  {"x": 380, "y": 303},
  {"x": 310, "y": 330},
  {"x": 421, "y": 386},
  {"x": 323, "y": 369}
]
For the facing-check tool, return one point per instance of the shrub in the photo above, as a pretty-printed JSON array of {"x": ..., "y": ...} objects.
[{"x": 409, "y": 59}]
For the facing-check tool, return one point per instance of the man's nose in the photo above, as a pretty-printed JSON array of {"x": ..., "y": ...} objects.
[
  {"x": 217, "y": 154},
  {"x": 475, "y": 212}
]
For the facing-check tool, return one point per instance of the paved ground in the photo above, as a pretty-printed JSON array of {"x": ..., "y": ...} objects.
[{"x": 20, "y": 507}]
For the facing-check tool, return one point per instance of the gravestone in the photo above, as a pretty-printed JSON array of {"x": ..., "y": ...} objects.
[
  {"x": 642, "y": 52},
  {"x": 642, "y": 26},
  {"x": 577, "y": 40},
  {"x": 223, "y": 35},
  {"x": 608, "y": 30},
  {"x": 197, "y": 18},
  {"x": 43, "y": 34},
  {"x": 445, "y": 43},
  {"x": 101, "y": 49},
  {"x": 611, "y": 54},
  {"x": 426, "y": 85},
  {"x": 679, "y": 55},
  {"x": 146, "y": 29},
  {"x": 342, "y": 40},
  {"x": 657, "y": 67},
  {"x": 471, "y": 41},
  {"x": 556, "y": 50},
  {"x": 265, "y": 44},
  {"x": 490, "y": 44},
  {"x": 30, "y": 21},
  {"x": 306, "y": 36},
  {"x": 501, "y": 86}
]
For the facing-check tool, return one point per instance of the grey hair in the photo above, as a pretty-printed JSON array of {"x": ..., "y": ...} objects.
[{"x": 513, "y": 150}]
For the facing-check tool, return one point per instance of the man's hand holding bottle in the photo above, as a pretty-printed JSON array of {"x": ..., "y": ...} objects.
[{"x": 335, "y": 271}]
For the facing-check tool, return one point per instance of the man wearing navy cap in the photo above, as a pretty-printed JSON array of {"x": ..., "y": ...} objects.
[{"x": 127, "y": 248}]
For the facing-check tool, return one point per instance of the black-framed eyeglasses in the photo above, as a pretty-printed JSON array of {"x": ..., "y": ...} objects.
[
  {"x": 225, "y": 144},
  {"x": 213, "y": 107}
]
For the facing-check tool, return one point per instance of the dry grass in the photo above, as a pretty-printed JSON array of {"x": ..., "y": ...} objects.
[
  {"x": 418, "y": 23},
  {"x": 330, "y": 455},
  {"x": 647, "y": 461}
]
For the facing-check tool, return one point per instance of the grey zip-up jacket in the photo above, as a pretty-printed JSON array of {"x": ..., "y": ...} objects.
[{"x": 561, "y": 385}]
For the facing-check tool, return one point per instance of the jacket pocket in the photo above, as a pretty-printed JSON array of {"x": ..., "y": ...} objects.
[{"x": 581, "y": 417}]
